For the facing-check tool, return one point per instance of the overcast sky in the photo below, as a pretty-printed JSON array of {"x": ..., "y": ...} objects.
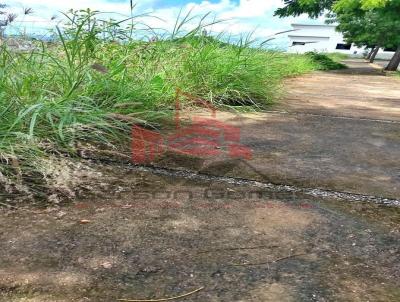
[{"x": 242, "y": 15}]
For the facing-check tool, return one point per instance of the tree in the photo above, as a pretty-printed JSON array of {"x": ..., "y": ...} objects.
[
  {"x": 370, "y": 23},
  {"x": 389, "y": 12},
  {"x": 359, "y": 28},
  {"x": 313, "y": 8},
  {"x": 316, "y": 8},
  {"x": 395, "y": 61}
]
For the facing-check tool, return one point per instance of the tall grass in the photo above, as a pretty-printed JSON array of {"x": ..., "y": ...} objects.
[{"x": 96, "y": 80}]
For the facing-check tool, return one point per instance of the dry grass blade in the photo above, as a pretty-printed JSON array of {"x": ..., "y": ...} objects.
[
  {"x": 269, "y": 262},
  {"x": 239, "y": 248},
  {"x": 100, "y": 68},
  {"x": 15, "y": 164},
  {"x": 128, "y": 105},
  {"x": 123, "y": 118},
  {"x": 8, "y": 205},
  {"x": 165, "y": 299}
]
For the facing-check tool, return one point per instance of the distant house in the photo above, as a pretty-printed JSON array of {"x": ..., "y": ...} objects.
[{"x": 324, "y": 38}]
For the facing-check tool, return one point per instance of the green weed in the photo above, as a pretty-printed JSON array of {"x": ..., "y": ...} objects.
[{"x": 327, "y": 62}]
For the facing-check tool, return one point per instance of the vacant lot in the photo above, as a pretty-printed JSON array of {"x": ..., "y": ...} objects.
[{"x": 155, "y": 235}]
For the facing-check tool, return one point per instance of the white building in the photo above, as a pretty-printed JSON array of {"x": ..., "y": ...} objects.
[{"x": 324, "y": 38}]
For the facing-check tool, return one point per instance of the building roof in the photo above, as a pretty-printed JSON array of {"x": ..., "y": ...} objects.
[
  {"x": 325, "y": 25},
  {"x": 304, "y": 36}
]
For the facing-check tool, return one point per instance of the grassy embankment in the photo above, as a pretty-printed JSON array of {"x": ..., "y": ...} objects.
[{"x": 86, "y": 88}]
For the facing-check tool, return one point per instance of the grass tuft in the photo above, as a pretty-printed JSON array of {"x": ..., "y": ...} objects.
[{"x": 327, "y": 62}]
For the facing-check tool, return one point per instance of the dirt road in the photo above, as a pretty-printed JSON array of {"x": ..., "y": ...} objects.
[{"x": 157, "y": 235}]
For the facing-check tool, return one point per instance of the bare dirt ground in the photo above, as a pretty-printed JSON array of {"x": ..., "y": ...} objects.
[
  {"x": 334, "y": 130},
  {"x": 383, "y": 63},
  {"x": 156, "y": 236}
]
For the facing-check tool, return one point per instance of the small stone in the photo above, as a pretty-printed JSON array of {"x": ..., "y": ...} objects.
[
  {"x": 60, "y": 214},
  {"x": 106, "y": 265}
]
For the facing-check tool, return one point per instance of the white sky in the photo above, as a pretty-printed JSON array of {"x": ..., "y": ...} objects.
[{"x": 242, "y": 16}]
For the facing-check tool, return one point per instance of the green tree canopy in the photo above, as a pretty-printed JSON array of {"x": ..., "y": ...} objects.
[
  {"x": 316, "y": 8},
  {"x": 313, "y": 8},
  {"x": 369, "y": 22}
]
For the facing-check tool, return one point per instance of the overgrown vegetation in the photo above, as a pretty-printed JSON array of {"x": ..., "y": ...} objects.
[{"x": 96, "y": 80}]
